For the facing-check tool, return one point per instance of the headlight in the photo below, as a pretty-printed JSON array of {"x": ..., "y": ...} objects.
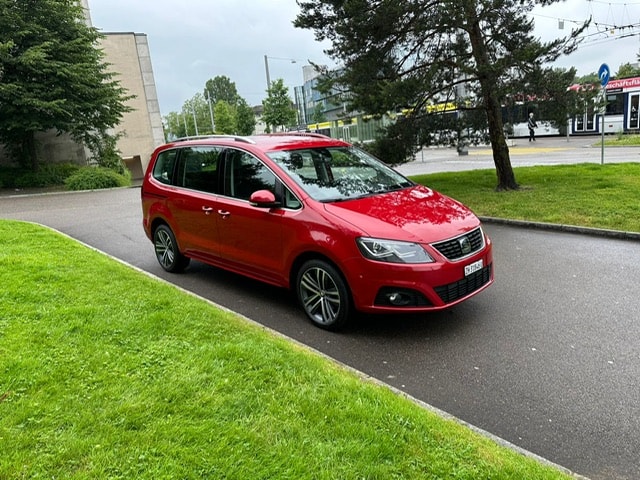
[{"x": 393, "y": 251}]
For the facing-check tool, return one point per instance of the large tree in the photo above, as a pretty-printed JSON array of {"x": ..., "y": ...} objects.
[
  {"x": 278, "y": 107},
  {"x": 53, "y": 76},
  {"x": 405, "y": 55},
  {"x": 225, "y": 114},
  {"x": 245, "y": 117},
  {"x": 221, "y": 88}
]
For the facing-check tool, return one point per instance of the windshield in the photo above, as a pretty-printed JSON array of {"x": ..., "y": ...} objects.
[{"x": 338, "y": 173}]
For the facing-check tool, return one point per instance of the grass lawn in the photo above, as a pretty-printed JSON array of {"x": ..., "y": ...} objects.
[
  {"x": 108, "y": 373},
  {"x": 590, "y": 195},
  {"x": 621, "y": 140}
]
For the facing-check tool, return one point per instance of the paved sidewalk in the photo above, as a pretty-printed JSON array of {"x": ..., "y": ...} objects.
[{"x": 544, "y": 151}]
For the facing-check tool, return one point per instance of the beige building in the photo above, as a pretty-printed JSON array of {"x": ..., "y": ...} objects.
[{"x": 129, "y": 57}]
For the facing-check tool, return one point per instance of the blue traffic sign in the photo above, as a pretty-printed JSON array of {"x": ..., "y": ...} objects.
[{"x": 604, "y": 74}]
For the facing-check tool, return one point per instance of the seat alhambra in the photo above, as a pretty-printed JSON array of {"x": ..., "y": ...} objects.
[{"x": 317, "y": 215}]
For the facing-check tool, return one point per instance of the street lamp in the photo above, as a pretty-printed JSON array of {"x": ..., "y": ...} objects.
[
  {"x": 266, "y": 70},
  {"x": 266, "y": 67},
  {"x": 208, "y": 97}
]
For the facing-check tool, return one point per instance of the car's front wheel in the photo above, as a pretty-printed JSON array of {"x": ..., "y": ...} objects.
[
  {"x": 167, "y": 253},
  {"x": 323, "y": 294}
]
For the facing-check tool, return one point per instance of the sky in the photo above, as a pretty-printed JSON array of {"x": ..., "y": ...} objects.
[{"x": 192, "y": 41}]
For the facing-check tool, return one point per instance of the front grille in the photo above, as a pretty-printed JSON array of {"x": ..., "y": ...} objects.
[
  {"x": 454, "y": 291},
  {"x": 461, "y": 246}
]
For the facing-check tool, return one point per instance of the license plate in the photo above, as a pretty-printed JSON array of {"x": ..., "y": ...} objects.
[{"x": 472, "y": 267}]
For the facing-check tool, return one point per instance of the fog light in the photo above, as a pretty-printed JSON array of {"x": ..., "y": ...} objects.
[{"x": 398, "y": 299}]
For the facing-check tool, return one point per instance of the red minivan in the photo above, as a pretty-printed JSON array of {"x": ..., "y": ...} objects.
[{"x": 318, "y": 215}]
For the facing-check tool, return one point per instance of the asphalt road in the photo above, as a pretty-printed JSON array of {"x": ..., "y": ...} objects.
[{"x": 548, "y": 358}]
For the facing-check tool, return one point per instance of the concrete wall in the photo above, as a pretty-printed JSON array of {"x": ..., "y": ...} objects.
[
  {"x": 130, "y": 58},
  {"x": 52, "y": 148}
]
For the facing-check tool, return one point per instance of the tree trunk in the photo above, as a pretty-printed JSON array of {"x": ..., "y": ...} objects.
[
  {"x": 29, "y": 151},
  {"x": 504, "y": 171}
]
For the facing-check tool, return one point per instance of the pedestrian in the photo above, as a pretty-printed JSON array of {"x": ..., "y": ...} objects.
[{"x": 532, "y": 124}]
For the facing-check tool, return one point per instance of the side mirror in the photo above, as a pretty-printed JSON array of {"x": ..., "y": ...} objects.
[{"x": 263, "y": 199}]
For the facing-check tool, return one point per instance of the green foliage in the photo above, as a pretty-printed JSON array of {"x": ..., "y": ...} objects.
[
  {"x": 53, "y": 76},
  {"x": 626, "y": 70},
  {"x": 94, "y": 178},
  {"x": 110, "y": 374},
  {"x": 196, "y": 116},
  {"x": 318, "y": 115},
  {"x": 221, "y": 88},
  {"x": 395, "y": 145},
  {"x": 402, "y": 55},
  {"x": 246, "y": 119},
  {"x": 8, "y": 176},
  {"x": 48, "y": 175},
  {"x": 554, "y": 102},
  {"x": 106, "y": 153},
  {"x": 234, "y": 117},
  {"x": 588, "y": 79},
  {"x": 225, "y": 117},
  {"x": 278, "y": 107}
]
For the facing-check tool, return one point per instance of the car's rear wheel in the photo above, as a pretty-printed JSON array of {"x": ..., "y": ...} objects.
[
  {"x": 167, "y": 253},
  {"x": 323, "y": 294}
]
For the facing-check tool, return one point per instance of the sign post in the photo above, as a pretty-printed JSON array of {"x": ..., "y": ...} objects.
[{"x": 604, "y": 73}]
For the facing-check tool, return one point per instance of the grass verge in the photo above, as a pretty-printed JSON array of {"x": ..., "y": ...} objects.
[
  {"x": 108, "y": 373},
  {"x": 621, "y": 140},
  {"x": 590, "y": 195}
]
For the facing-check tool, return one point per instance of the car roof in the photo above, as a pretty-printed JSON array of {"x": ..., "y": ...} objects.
[{"x": 264, "y": 143}]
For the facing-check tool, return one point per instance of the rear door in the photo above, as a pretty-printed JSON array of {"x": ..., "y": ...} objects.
[{"x": 194, "y": 202}]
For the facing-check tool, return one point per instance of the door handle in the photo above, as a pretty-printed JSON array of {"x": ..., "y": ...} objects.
[
  {"x": 224, "y": 213},
  {"x": 207, "y": 210}
]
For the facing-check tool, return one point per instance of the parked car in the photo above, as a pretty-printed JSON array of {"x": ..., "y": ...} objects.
[{"x": 303, "y": 211}]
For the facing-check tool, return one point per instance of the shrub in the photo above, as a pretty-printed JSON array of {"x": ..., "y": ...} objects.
[
  {"x": 47, "y": 176},
  {"x": 8, "y": 176},
  {"x": 94, "y": 178}
]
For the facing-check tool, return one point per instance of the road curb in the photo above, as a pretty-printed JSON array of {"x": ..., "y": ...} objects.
[{"x": 596, "y": 232}]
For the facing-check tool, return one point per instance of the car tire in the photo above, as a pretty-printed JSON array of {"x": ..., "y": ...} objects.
[
  {"x": 323, "y": 294},
  {"x": 167, "y": 252}
]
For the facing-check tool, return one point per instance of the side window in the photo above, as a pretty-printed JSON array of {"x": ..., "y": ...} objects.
[
  {"x": 244, "y": 174},
  {"x": 165, "y": 163},
  {"x": 199, "y": 168}
]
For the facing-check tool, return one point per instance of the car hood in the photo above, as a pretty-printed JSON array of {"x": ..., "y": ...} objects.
[{"x": 416, "y": 214}]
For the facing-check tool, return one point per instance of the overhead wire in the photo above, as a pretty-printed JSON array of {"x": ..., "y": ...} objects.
[{"x": 606, "y": 31}]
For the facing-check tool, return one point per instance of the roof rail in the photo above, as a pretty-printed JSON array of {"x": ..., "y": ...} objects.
[
  {"x": 300, "y": 134},
  {"x": 237, "y": 138}
]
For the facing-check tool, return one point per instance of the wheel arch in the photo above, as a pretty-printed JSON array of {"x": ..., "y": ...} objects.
[
  {"x": 161, "y": 220},
  {"x": 305, "y": 257}
]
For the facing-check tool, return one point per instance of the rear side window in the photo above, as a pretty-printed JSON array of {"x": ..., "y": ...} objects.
[
  {"x": 164, "y": 166},
  {"x": 199, "y": 168}
]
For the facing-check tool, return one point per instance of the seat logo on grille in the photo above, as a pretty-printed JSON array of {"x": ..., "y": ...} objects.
[{"x": 465, "y": 245}]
